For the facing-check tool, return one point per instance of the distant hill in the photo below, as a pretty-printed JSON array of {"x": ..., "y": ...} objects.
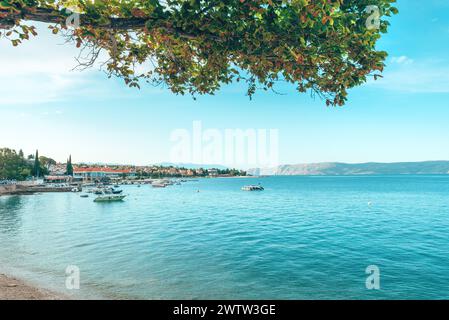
[
  {"x": 371, "y": 168},
  {"x": 162, "y": 164},
  {"x": 192, "y": 165}
]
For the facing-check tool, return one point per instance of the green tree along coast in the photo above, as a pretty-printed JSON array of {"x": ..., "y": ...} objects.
[
  {"x": 46, "y": 162},
  {"x": 13, "y": 165},
  {"x": 37, "y": 165},
  {"x": 69, "y": 169},
  {"x": 324, "y": 47}
]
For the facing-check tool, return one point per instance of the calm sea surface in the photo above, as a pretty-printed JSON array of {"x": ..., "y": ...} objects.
[{"x": 302, "y": 238}]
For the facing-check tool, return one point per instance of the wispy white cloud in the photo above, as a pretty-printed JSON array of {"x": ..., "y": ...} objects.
[
  {"x": 404, "y": 74},
  {"x": 41, "y": 71},
  {"x": 37, "y": 88},
  {"x": 402, "y": 60},
  {"x": 37, "y": 71}
]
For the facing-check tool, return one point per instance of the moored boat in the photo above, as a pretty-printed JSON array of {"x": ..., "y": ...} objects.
[
  {"x": 253, "y": 188},
  {"x": 159, "y": 185},
  {"x": 107, "y": 198}
]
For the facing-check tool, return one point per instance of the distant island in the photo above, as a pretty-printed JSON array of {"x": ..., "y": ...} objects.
[{"x": 341, "y": 169}]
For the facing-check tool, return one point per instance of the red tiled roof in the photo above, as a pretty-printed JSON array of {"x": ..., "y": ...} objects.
[{"x": 103, "y": 170}]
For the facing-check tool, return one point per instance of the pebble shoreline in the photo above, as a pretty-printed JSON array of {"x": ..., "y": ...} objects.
[{"x": 15, "y": 289}]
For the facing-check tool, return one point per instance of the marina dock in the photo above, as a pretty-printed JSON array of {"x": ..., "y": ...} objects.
[{"x": 18, "y": 189}]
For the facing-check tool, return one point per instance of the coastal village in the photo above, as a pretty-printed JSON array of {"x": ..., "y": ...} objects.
[
  {"x": 36, "y": 174},
  {"x": 84, "y": 172}
]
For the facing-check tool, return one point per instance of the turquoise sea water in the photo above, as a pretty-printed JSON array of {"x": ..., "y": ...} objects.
[{"x": 302, "y": 238}]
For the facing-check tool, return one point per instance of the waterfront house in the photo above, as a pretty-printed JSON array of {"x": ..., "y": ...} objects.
[
  {"x": 212, "y": 172},
  {"x": 57, "y": 179},
  {"x": 100, "y": 173}
]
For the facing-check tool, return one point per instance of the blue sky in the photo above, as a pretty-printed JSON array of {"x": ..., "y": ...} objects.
[{"x": 403, "y": 117}]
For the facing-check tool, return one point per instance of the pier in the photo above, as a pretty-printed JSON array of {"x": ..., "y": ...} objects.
[{"x": 18, "y": 189}]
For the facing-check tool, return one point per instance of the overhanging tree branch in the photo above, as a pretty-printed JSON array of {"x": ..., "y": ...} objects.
[
  {"x": 325, "y": 46},
  {"x": 48, "y": 15}
]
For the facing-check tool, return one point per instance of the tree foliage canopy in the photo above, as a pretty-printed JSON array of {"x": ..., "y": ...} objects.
[
  {"x": 195, "y": 46},
  {"x": 69, "y": 167},
  {"x": 13, "y": 165}
]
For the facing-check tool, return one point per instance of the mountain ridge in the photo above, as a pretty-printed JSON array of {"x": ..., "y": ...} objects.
[{"x": 367, "y": 168}]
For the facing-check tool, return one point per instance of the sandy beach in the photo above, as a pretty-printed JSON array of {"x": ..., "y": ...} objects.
[{"x": 15, "y": 289}]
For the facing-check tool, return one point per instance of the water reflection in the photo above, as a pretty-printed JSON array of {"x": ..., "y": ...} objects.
[{"x": 10, "y": 218}]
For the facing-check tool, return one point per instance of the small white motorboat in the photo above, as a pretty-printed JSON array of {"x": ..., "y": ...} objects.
[
  {"x": 109, "y": 198},
  {"x": 159, "y": 184},
  {"x": 253, "y": 188}
]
